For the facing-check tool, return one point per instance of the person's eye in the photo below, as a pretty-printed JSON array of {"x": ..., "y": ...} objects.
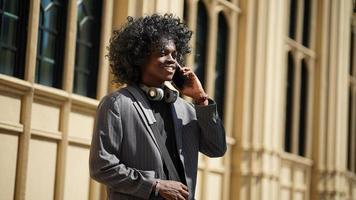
[{"x": 174, "y": 55}]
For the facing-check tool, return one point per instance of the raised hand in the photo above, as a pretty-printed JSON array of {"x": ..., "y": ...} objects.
[{"x": 192, "y": 87}]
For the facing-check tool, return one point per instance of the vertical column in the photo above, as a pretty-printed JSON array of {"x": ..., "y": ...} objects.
[
  {"x": 31, "y": 52},
  {"x": 332, "y": 169},
  {"x": 241, "y": 151},
  {"x": 192, "y": 24},
  {"x": 260, "y": 118},
  {"x": 68, "y": 79},
  {"x": 106, "y": 21}
]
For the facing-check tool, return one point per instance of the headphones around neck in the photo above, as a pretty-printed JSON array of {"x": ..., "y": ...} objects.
[{"x": 157, "y": 94}]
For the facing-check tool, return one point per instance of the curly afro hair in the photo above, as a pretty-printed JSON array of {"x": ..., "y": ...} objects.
[{"x": 131, "y": 45}]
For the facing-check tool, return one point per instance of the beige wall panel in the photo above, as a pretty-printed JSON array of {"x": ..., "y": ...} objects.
[
  {"x": 45, "y": 117},
  {"x": 177, "y": 7},
  {"x": 216, "y": 162},
  {"x": 10, "y": 109},
  {"x": 8, "y": 157},
  {"x": 285, "y": 194},
  {"x": 299, "y": 177},
  {"x": 77, "y": 174},
  {"x": 41, "y": 170},
  {"x": 162, "y": 6},
  {"x": 244, "y": 189},
  {"x": 198, "y": 185},
  {"x": 245, "y": 161},
  {"x": 285, "y": 176},
  {"x": 81, "y": 125},
  {"x": 299, "y": 196},
  {"x": 214, "y": 186}
]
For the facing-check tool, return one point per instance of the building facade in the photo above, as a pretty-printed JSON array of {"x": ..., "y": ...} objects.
[{"x": 283, "y": 73}]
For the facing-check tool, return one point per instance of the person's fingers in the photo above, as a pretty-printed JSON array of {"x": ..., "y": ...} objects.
[
  {"x": 184, "y": 187},
  {"x": 184, "y": 193},
  {"x": 181, "y": 197}
]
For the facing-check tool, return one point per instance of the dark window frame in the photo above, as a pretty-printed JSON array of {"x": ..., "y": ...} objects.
[
  {"x": 59, "y": 35},
  {"x": 94, "y": 48},
  {"x": 21, "y": 37}
]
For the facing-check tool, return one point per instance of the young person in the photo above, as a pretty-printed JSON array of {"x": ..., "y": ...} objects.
[{"x": 146, "y": 138}]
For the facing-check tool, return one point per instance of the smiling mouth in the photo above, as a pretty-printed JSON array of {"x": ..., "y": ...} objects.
[{"x": 170, "y": 67}]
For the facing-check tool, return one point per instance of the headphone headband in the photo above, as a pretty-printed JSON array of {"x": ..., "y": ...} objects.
[{"x": 157, "y": 94}]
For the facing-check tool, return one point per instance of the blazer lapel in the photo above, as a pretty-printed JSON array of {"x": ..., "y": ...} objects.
[
  {"x": 177, "y": 120},
  {"x": 143, "y": 108}
]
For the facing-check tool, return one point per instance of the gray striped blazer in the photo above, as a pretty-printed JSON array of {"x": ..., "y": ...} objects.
[{"x": 124, "y": 154}]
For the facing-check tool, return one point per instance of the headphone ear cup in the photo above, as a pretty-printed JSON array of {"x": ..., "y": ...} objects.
[
  {"x": 153, "y": 94},
  {"x": 170, "y": 96}
]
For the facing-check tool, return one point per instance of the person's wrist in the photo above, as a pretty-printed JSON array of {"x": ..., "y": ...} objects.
[
  {"x": 202, "y": 99},
  {"x": 156, "y": 188}
]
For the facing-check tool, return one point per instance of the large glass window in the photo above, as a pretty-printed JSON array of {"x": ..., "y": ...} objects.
[
  {"x": 289, "y": 104},
  {"x": 87, "y": 54},
  {"x": 201, "y": 42},
  {"x": 13, "y": 31},
  {"x": 298, "y": 80},
  {"x": 351, "y": 158},
  {"x": 51, "y": 31},
  {"x": 220, "y": 66},
  {"x": 292, "y": 18},
  {"x": 306, "y": 22}
]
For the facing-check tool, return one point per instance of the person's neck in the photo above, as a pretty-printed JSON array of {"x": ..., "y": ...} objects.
[{"x": 151, "y": 84}]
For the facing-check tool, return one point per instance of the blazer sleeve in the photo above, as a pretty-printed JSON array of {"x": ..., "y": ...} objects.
[
  {"x": 212, "y": 136},
  {"x": 104, "y": 163}
]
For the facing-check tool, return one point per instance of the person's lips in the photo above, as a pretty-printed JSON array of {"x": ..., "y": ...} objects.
[{"x": 170, "y": 67}]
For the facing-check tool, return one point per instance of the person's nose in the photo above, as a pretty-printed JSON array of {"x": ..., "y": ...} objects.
[{"x": 170, "y": 59}]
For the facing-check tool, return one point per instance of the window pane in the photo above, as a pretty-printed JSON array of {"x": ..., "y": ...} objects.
[
  {"x": 48, "y": 45},
  {"x": 45, "y": 72},
  {"x": 221, "y": 65},
  {"x": 201, "y": 42},
  {"x": 306, "y": 22},
  {"x": 303, "y": 113},
  {"x": 51, "y": 42},
  {"x": 80, "y": 81},
  {"x": 88, "y": 36},
  {"x": 7, "y": 62},
  {"x": 51, "y": 17},
  {"x": 185, "y": 11},
  {"x": 11, "y": 6},
  {"x": 292, "y": 18},
  {"x": 352, "y": 46},
  {"x": 83, "y": 58},
  {"x": 8, "y": 31},
  {"x": 349, "y": 139},
  {"x": 45, "y": 3},
  {"x": 13, "y": 33},
  {"x": 289, "y": 105},
  {"x": 85, "y": 32}
]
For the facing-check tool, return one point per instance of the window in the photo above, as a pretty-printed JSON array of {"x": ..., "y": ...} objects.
[
  {"x": 298, "y": 80},
  {"x": 289, "y": 105},
  {"x": 303, "y": 108},
  {"x": 87, "y": 54},
  {"x": 351, "y": 159},
  {"x": 49, "y": 66},
  {"x": 306, "y": 22},
  {"x": 292, "y": 19},
  {"x": 220, "y": 66},
  {"x": 13, "y": 32},
  {"x": 201, "y": 42}
]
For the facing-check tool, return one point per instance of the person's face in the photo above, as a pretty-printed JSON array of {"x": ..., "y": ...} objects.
[{"x": 160, "y": 64}]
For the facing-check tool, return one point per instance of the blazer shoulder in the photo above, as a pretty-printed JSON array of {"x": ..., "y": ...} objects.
[{"x": 114, "y": 100}]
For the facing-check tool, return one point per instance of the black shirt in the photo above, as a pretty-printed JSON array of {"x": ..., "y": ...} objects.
[{"x": 165, "y": 127}]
